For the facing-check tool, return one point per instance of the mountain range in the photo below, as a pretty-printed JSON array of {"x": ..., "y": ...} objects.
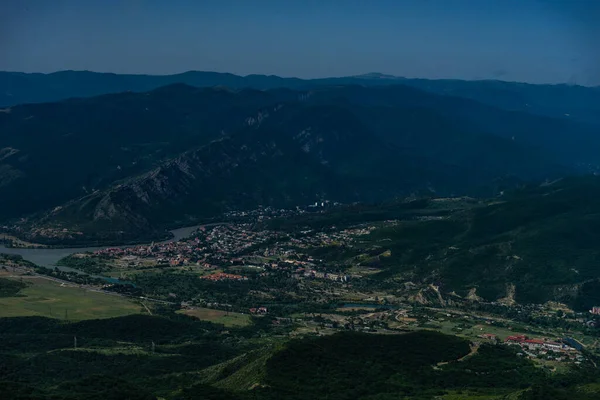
[
  {"x": 565, "y": 101},
  {"x": 125, "y": 166}
]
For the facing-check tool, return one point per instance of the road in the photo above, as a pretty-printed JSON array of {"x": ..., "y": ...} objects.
[{"x": 473, "y": 348}]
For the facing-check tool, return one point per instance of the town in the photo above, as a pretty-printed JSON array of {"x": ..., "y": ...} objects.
[
  {"x": 315, "y": 280},
  {"x": 230, "y": 245}
]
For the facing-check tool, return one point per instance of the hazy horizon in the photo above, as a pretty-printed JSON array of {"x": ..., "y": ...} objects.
[
  {"x": 532, "y": 41},
  {"x": 307, "y": 79}
]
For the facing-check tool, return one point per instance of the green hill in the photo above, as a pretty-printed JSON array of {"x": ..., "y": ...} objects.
[
  {"x": 539, "y": 240},
  {"x": 114, "y": 358}
]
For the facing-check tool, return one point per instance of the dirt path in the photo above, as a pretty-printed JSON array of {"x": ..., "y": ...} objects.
[
  {"x": 474, "y": 349},
  {"x": 147, "y": 309}
]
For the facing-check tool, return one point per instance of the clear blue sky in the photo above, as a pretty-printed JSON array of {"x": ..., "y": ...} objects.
[{"x": 522, "y": 40}]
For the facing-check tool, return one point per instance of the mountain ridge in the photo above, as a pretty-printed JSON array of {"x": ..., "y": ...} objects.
[
  {"x": 131, "y": 163},
  {"x": 578, "y": 102}
]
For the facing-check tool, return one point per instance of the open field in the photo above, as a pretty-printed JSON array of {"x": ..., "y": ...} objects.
[
  {"x": 453, "y": 327},
  {"x": 230, "y": 319},
  {"x": 467, "y": 395},
  {"x": 46, "y": 298}
]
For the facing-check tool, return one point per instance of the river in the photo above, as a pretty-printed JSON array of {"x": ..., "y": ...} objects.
[{"x": 49, "y": 257}]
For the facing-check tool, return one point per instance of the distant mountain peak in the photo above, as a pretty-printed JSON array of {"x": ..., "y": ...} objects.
[
  {"x": 376, "y": 75},
  {"x": 176, "y": 85}
]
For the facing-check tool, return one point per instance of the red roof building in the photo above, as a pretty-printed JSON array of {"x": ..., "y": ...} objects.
[{"x": 516, "y": 339}]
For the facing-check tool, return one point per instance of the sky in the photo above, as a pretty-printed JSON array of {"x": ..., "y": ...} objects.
[{"x": 536, "y": 41}]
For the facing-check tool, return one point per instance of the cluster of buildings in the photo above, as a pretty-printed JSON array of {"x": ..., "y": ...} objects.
[
  {"x": 311, "y": 273},
  {"x": 566, "y": 350},
  {"x": 332, "y": 237},
  {"x": 210, "y": 246},
  {"x": 219, "y": 247},
  {"x": 173, "y": 253},
  {"x": 232, "y": 239},
  {"x": 546, "y": 349},
  {"x": 533, "y": 344},
  {"x": 262, "y": 213}
]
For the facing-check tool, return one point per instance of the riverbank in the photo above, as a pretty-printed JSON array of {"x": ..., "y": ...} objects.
[
  {"x": 18, "y": 243},
  {"x": 47, "y": 257}
]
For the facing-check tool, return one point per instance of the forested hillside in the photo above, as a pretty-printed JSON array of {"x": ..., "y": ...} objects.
[
  {"x": 127, "y": 166},
  {"x": 114, "y": 359}
]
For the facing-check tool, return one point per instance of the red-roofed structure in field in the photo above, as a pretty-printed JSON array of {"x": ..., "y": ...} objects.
[
  {"x": 516, "y": 339},
  {"x": 532, "y": 344}
]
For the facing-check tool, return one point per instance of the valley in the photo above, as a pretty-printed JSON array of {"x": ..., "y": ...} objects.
[
  {"x": 299, "y": 200},
  {"x": 352, "y": 238},
  {"x": 237, "y": 150},
  {"x": 263, "y": 283}
]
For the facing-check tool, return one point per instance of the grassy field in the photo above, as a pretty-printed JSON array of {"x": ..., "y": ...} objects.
[
  {"x": 230, "y": 319},
  {"x": 466, "y": 395},
  {"x": 590, "y": 388},
  {"x": 46, "y": 298}
]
